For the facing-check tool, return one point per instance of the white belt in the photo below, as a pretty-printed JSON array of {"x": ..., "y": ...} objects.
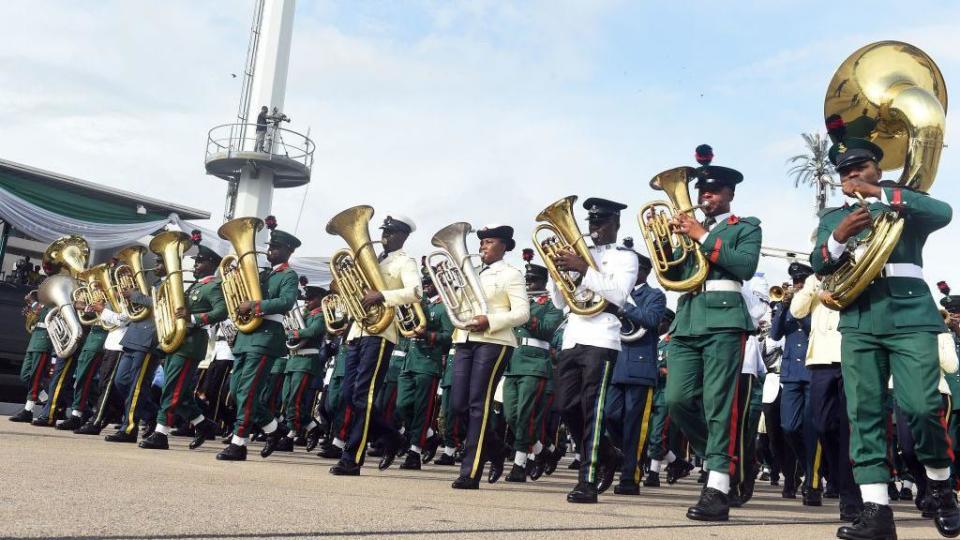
[
  {"x": 304, "y": 352},
  {"x": 275, "y": 318},
  {"x": 721, "y": 285},
  {"x": 902, "y": 270},
  {"x": 399, "y": 353},
  {"x": 533, "y": 342},
  {"x": 41, "y": 325}
]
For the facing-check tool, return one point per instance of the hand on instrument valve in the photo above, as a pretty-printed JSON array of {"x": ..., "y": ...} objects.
[
  {"x": 245, "y": 308},
  {"x": 80, "y": 305},
  {"x": 852, "y": 225},
  {"x": 685, "y": 224},
  {"x": 851, "y": 187},
  {"x": 478, "y": 324},
  {"x": 182, "y": 313},
  {"x": 567, "y": 260},
  {"x": 126, "y": 293},
  {"x": 96, "y": 307},
  {"x": 371, "y": 298}
]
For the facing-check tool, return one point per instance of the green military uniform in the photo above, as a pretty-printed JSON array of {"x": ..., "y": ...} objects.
[
  {"x": 273, "y": 398},
  {"x": 420, "y": 373},
  {"x": 386, "y": 398},
  {"x": 953, "y": 421},
  {"x": 452, "y": 425},
  {"x": 37, "y": 359},
  {"x": 707, "y": 339},
  {"x": 333, "y": 401},
  {"x": 551, "y": 417},
  {"x": 302, "y": 369},
  {"x": 206, "y": 306},
  {"x": 660, "y": 440},
  {"x": 528, "y": 372},
  {"x": 891, "y": 328},
  {"x": 88, "y": 364},
  {"x": 257, "y": 352}
]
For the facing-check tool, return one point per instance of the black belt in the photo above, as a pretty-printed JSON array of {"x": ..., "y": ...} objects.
[{"x": 612, "y": 309}]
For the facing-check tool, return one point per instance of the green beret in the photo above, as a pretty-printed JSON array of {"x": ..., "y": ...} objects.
[
  {"x": 203, "y": 252},
  {"x": 284, "y": 239}
]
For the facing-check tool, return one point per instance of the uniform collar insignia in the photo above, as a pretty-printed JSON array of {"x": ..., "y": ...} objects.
[{"x": 281, "y": 267}]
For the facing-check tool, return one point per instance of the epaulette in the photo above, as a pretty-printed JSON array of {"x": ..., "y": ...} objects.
[
  {"x": 828, "y": 210},
  {"x": 542, "y": 299},
  {"x": 734, "y": 220}
]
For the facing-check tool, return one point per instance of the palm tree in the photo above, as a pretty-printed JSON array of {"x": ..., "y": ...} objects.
[{"x": 814, "y": 167}]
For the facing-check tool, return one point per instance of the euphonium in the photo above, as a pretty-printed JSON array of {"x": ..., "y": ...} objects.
[
  {"x": 455, "y": 278},
  {"x": 893, "y": 94},
  {"x": 62, "y": 321},
  {"x": 69, "y": 252},
  {"x": 293, "y": 320},
  {"x": 128, "y": 275},
  {"x": 356, "y": 269},
  {"x": 559, "y": 220},
  {"x": 97, "y": 287},
  {"x": 662, "y": 242},
  {"x": 239, "y": 273},
  {"x": 335, "y": 316},
  {"x": 169, "y": 295},
  {"x": 31, "y": 316}
]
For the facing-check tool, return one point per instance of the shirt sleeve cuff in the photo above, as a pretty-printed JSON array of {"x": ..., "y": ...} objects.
[
  {"x": 835, "y": 248},
  {"x": 702, "y": 237}
]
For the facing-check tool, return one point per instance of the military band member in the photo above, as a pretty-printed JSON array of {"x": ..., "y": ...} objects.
[
  {"x": 419, "y": 377},
  {"x": 591, "y": 345},
  {"x": 528, "y": 372},
  {"x": 88, "y": 366},
  {"x": 368, "y": 354},
  {"x": 890, "y": 329},
  {"x": 453, "y": 424},
  {"x": 662, "y": 439},
  {"x": 336, "y": 407},
  {"x": 205, "y": 306},
  {"x": 482, "y": 352},
  {"x": 215, "y": 398},
  {"x": 303, "y": 367},
  {"x": 630, "y": 395},
  {"x": 37, "y": 359},
  {"x": 257, "y": 352},
  {"x": 707, "y": 337},
  {"x": 110, "y": 402}
]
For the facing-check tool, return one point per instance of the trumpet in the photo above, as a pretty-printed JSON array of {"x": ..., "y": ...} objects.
[
  {"x": 455, "y": 279},
  {"x": 335, "y": 315},
  {"x": 559, "y": 220},
  {"x": 782, "y": 293}
]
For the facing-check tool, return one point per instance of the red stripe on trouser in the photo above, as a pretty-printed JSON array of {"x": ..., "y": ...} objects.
[
  {"x": 946, "y": 434},
  {"x": 347, "y": 414},
  {"x": 531, "y": 430},
  {"x": 37, "y": 376},
  {"x": 735, "y": 413},
  {"x": 251, "y": 397},
  {"x": 94, "y": 365},
  {"x": 298, "y": 397},
  {"x": 428, "y": 417},
  {"x": 890, "y": 461},
  {"x": 177, "y": 391}
]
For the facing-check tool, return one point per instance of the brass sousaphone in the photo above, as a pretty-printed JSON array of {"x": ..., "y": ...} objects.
[
  {"x": 169, "y": 295},
  {"x": 894, "y": 95},
  {"x": 239, "y": 273}
]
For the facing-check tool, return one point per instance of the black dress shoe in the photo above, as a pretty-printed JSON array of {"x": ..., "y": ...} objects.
[
  {"x": 22, "y": 416},
  {"x": 714, "y": 505},
  {"x": 892, "y": 491},
  {"x": 812, "y": 497},
  {"x": 270, "y": 443},
  {"x": 330, "y": 452},
  {"x": 90, "y": 428},
  {"x": 285, "y": 444},
  {"x": 608, "y": 471},
  {"x": 702, "y": 479},
  {"x": 411, "y": 462},
  {"x": 905, "y": 494},
  {"x": 584, "y": 493},
  {"x": 496, "y": 466},
  {"x": 375, "y": 451},
  {"x": 574, "y": 465},
  {"x": 233, "y": 452},
  {"x": 391, "y": 448},
  {"x": 70, "y": 424},
  {"x": 445, "y": 459},
  {"x": 122, "y": 437},
  {"x": 789, "y": 493},
  {"x": 552, "y": 460},
  {"x": 430, "y": 448},
  {"x": 536, "y": 466},
  {"x": 155, "y": 441},
  {"x": 517, "y": 474},
  {"x": 313, "y": 438},
  {"x": 874, "y": 523},
  {"x": 207, "y": 429},
  {"x": 343, "y": 468},
  {"x": 299, "y": 440},
  {"x": 465, "y": 482},
  {"x": 42, "y": 421},
  {"x": 184, "y": 431},
  {"x": 652, "y": 479},
  {"x": 627, "y": 488},
  {"x": 948, "y": 515},
  {"x": 850, "y": 512}
]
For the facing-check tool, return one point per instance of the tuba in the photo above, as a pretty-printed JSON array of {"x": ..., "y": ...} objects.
[
  {"x": 566, "y": 236},
  {"x": 455, "y": 278},
  {"x": 293, "y": 320},
  {"x": 97, "y": 287},
  {"x": 662, "y": 242},
  {"x": 169, "y": 294},
  {"x": 239, "y": 272},
  {"x": 128, "y": 275},
  {"x": 893, "y": 94},
  {"x": 62, "y": 321},
  {"x": 356, "y": 269},
  {"x": 31, "y": 316},
  {"x": 335, "y": 316},
  {"x": 70, "y": 252}
]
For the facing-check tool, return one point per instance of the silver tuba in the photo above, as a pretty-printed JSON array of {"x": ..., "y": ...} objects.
[
  {"x": 456, "y": 280},
  {"x": 293, "y": 320},
  {"x": 63, "y": 323}
]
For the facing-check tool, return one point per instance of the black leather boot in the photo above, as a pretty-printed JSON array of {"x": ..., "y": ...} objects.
[
  {"x": 584, "y": 493},
  {"x": 22, "y": 416},
  {"x": 875, "y": 523},
  {"x": 207, "y": 429},
  {"x": 948, "y": 516},
  {"x": 155, "y": 441},
  {"x": 652, "y": 479},
  {"x": 517, "y": 474},
  {"x": 411, "y": 462},
  {"x": 70, "y": 424},
  {"x": 233, "y": 452},
  {"x": 714, "y": 505}
]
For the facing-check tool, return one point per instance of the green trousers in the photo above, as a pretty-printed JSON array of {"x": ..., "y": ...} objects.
[
  {"x": 33, "y": 371},
  {"x": 523, "y": 408},
  {"x": 179, "y": 383},
  {"x": 84, "y": 387},
  {"x": 250, "y": 385},
  {"x": 416, "y": 403},
  {"x": 913, "y": 361},
  {"x": 298, "y": 397},
  {"x": 702, "y": 395},
  {"x": 453, "y": 429},
  {"x": 664, "y": 434}
]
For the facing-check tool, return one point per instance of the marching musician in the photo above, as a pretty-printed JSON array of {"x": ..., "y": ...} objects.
[
  {"x": 890, "y": 329},
  {"x": 527, "y": 375},
  {"x": 482, "y": 352},
  {"x": 205, "y": 306},
  {"x": 453, "y": 424},
  {"x": 368, "y": 354},
  {"x": 88, "y": 367},
  {"x": 37, "y": 359},
  {"x": 708, "y": 335},
  {"x": 419, "y": 377},
  {"x": 334, "y": 404},
  {"x": 256, "y": 352},
  {"x": 664, "y": 439},
  {"x": 110, "y": 403},
  {"x": 591, "y": 345},
  {"x": 630, "y": 395}
]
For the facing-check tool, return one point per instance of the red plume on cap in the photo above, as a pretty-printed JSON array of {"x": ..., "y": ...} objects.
[
  {"x": 271, "y": 222},
  {"x": 704, "y": 154},
  {"x": 304, "y": 281},
  {"x": 527, "y": 254},
  {"x": 196, "y": 237},
  {"x": 944, "y": 288},
  {"x": 835, "y": 127},
  {"x": 48, "y": 269}
]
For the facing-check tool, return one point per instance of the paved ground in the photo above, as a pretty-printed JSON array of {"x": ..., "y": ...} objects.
[{"x": 59, "y": 485}]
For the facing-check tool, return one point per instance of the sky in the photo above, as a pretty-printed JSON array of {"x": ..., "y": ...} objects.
[{"x": 483, "y": 111}]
